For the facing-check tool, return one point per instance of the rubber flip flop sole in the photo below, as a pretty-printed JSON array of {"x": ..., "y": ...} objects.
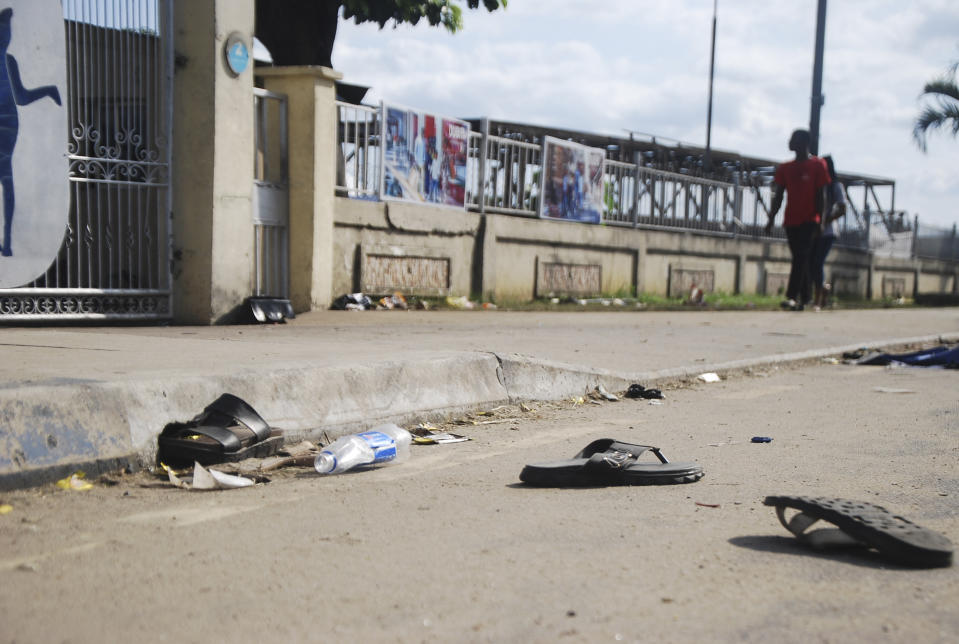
[{"x": 893, "y": 536}]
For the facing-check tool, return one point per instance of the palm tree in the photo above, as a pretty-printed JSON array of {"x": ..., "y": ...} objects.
[{"x": 943, "y": 109}]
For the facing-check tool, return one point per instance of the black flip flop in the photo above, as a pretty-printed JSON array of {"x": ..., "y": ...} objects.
[
  {"x": 610, "y": 462},
  {"x": 226, "y": 431},
  {"x": 863, "y": 524}
]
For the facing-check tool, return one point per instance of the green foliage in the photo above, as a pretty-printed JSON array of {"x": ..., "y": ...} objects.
[
  {"x": 942, "y": 111},
  {"x": 436, "y": 12}
]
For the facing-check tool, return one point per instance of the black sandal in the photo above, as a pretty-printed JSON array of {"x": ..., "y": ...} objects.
[
  {"x": 862, "y": 524},
  {"x": 228, "y": 430},
  {"x": 610, "y": 462}
]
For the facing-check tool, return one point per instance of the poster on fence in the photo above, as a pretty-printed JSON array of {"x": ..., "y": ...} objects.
[
  {"x": 572, "y": 181},
  {"x": 425, "y": 157}
]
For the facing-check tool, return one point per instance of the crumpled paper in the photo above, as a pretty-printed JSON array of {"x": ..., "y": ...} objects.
[{"x": 204, "y": 479}]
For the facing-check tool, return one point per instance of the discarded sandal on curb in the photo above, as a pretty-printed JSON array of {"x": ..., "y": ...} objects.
[
  {"x": 862, "y": 524},
  {"x": 227, "y": 430},
  {"x": 610, "y": 462}
]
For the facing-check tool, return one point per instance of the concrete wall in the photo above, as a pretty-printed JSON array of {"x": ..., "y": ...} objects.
[
  {"x": 390, "y": 246},
  {"x": 425, "y": 250}
]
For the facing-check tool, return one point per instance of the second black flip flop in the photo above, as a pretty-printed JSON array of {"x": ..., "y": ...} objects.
[
  {"x": 863, "y": 524},
  {"x": 610, "y": 462}
]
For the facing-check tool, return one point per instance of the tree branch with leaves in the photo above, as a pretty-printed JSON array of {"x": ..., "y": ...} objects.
[
  {"x": 302, "y": 32},
  {"x": 942, "y": 110}
]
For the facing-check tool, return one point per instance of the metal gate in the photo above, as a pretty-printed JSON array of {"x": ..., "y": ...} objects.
[
  {"x": 271, "y": 199},
  {"x": 114, "y": 262}
]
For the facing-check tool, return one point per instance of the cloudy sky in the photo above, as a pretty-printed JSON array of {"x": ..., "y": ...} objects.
[{"x": 643, "y": 65}]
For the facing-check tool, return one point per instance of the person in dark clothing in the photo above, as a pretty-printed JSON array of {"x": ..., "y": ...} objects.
[
  {"x": 835, "y": 208},
  {"x": 804, "y": 180}
]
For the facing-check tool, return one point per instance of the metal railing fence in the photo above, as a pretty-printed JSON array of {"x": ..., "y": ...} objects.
[
  {"x": 507, "y": 175},
  {"x": 936, "y": 242},
  {"x": 504, "y": 173},
  {"x": 358, "y": 160}
]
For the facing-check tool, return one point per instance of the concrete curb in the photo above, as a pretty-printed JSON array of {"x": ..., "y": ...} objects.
[
  {"x": 53, "y": 430},
  {"x": 528, "y": 378}
]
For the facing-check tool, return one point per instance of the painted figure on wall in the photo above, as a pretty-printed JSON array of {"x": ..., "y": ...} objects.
[{"x": 12, "y": 94}]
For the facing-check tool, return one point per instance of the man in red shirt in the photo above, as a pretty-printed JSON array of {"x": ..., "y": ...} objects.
[{"x": 804, "y": 180}]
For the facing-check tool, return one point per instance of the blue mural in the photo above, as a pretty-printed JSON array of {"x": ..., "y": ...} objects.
[{"x": 12, "y": 94}]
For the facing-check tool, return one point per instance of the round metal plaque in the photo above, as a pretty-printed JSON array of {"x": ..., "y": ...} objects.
[{"x": 237, "y": 54}]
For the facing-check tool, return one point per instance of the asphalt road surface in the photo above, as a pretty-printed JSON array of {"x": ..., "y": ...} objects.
[{"x": 449, "y": 546}]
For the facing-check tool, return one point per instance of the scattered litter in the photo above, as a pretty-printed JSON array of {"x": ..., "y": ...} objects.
[
  {"x": 831, "y": 360},
  {"x": 578, "y": 400},
  {"x": 462, "y": 302},
  {"x": 707, "y": 505},
  {"x": 605, "y": 395},
  {"x": 300, "y": 454},
  {"x": 384, "y": 444},
  {"x": 489, "y": 306},
  {"x": 395, "y": 301},
  {"x": 695, "y": 296},
  {"x": 76, "y": 481},
  {"x": 525, "y": 407},
  {"x": 301, "y": 448},
  {"x": 593, "y": 401},
  {"x": 635, "y": 391},
  {"x": 204, "y": 479},
  {"x": 656, "y": 402},
  {"x": 893, "y": 390},
  {"x": 709, "y": 377},
  {"x": 498, "y": 421},
  {"x": 639, "y": 391},
  {"x": 760, "y": 439},
  {"x": 425, "y": 437},
  {"x": 353, "y": 302},
  {"x": 941, "y": 356},
  {"x": 5, "y": 508}
]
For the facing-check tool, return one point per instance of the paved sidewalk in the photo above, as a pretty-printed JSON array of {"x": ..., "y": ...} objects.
[{"x": 97, "y": 397}]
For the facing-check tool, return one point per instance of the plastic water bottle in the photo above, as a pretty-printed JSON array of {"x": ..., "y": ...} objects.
[{"x": 383, "y": 444}]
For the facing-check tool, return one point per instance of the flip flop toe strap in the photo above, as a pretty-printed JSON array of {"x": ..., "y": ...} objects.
[
  {"x": 610, "y": 460},
  {"x": 821, "y": 538}
]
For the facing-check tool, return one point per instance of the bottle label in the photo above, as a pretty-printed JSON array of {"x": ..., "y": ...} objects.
[{"x": 383, "y": 446}]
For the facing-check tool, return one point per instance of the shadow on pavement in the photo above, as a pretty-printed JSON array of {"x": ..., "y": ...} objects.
[{"x": 790, "y": 546}]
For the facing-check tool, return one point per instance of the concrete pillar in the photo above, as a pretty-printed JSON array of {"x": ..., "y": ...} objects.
[
  {"x": 212, "y": 162},
  {"x": 311, "y": 100}
]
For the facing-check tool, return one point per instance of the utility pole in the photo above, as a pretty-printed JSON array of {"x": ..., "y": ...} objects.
[
  {"x": 817, "y": 98},
  {"x": 708, "y": 160}
]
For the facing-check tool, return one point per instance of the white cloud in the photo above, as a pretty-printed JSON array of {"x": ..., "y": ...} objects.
[{"x": 643, "y": 65}]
